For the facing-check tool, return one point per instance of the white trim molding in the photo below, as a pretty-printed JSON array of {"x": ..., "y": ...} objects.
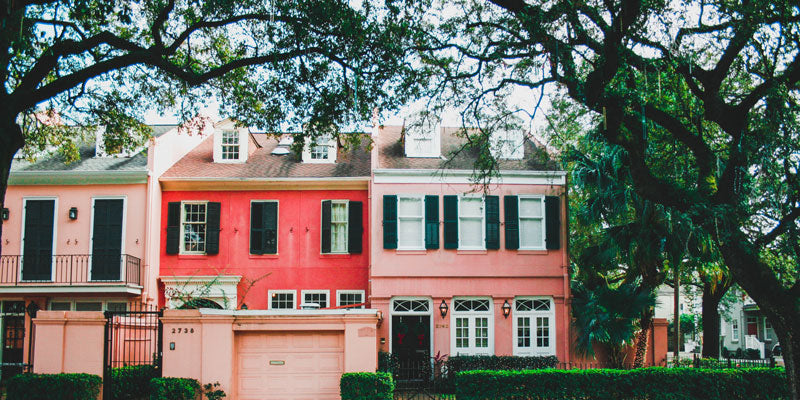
[
  {"x": 222, "y": 289},
  {"x": 508, "y": 177}
]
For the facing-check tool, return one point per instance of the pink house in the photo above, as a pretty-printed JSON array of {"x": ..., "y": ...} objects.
[
  {"x": 456, "y": 271},
  {"x": 81, "y": 236}
]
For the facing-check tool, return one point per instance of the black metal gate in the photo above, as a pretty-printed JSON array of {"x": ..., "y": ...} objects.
[
  {"x": 415, "y": 379},
  {"x": 133, "y": 337}
]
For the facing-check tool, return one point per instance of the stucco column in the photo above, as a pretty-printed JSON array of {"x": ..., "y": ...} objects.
[
  {"x": 659, "y": 341},
  {"x": 218, "y": 351},
  {"x": 69, "y": 341},
  {"x": 183, "y": 344},
  {"x": 359, "y": 344},
  {"x": 48, "y": 352}
]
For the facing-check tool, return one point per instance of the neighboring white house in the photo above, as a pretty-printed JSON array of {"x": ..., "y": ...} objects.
[{"x": 746, "y": 328}]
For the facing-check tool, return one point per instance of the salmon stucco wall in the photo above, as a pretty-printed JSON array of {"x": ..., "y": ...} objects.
[
  {"x": 69, "y": 342},
  {"x": 298, "y": 264}
]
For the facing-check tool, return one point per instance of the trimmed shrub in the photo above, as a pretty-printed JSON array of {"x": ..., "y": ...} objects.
[
  {"x": 54, "y": 387},
  {"x": 366, "y": 386},
  {"x": 457, "y": 364},
  {"x": 387, "y": 362},
  {"x": 133, "y": 382},
  {"x": 606, "y": 384},
  {"x": 174, "y": 389}
]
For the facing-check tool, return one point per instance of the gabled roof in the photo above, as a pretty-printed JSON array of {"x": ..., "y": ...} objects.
[
  {"x": 261, "y": 163},
  {"x": 391, "y": 154}
]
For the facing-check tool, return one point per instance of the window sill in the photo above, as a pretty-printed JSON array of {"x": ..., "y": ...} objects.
[
  {"x": 471, "y": 252},
  {"x": 192, "y": 256},
  {"x": 266, "y": 256},
  {"x": 334, "y": 255},
  {"x": 411, "y": 251},
  {"x": 531, "y": 252}
]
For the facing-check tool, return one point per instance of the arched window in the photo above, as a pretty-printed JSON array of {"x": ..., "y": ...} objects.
[{"x": 194, "y": 304}]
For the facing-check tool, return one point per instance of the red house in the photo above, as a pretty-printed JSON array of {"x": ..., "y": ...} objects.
[{"x": 249, "y": 225}]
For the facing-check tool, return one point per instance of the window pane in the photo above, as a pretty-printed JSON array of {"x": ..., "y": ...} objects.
[
  {"x": 530, "y": 207},
  {"x": 531, "y": 233},
  {"x": 346, "y": 299},
  {"x": 339, "y": 212},
  {"x": 523, "y": 332},
  {"x": 470, "y": 207},
  {"x": 471, "y": 232},
  {"x": 60, "y": 306},
  {"x": 283, "y": 300},
  {"x": 462, "y": 332},
  {"x": 410, "y": 233},
  {"x": 481, "y": 332},
  {"x": 542, "y": 332},
  {"x": 338, "y": 238},
  {"x": 117, "y": 306},
  {"x": 317, "y": 298},
  {"x": 93, "y": 306},
  {"x": 409, "y": 207}
]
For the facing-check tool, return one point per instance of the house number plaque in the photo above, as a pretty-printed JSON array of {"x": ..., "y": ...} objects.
[
  {"x": 277, "y": 362},
  {"x": 182, "y": 330}
]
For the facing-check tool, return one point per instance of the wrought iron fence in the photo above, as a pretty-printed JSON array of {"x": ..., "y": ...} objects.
[{"x": 71, "y": 269}]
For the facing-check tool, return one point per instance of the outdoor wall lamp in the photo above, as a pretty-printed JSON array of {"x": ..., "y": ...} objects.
[
  {"x": 5, "y": 214},
  {"x": 73, "y": 213},
  {"x": 244, "y": 306},
  {"x": 506, "y": 309},
  {"x": 443, "y": 308}
]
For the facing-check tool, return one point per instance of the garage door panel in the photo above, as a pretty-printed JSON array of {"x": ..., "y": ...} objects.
[{"x": 312, "y": 365}]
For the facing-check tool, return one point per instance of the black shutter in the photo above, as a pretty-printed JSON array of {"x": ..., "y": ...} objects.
[
  {"x": 212, "y": 227},
  {"x": 512, "y": 222},
  {"x": 257, "y": 228},
  {"x": 354, "y": 227},
  {"x": 450, "y": 222},
  {"x": 431, "y": 222},
  {"x": 389, "y": 222},
  {"x": 326, "y": 226},
  {"x": 173, "y": 227},
  {"x": 552, "y": 212},
  {"x": 270, "y": 218},
  {"x": 492, "y": 222}
]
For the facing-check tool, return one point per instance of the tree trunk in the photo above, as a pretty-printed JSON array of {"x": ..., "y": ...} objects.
[
  {"x": 712, "y": 295},
  {"x": 645, "y": 324},
  {"x": 11, "y": 140},
  {"x": 779, "y": 304}
]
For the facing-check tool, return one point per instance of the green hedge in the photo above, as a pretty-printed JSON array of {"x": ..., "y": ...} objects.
[
  {"x": 174, "y": 389},
  {"x": 446, "y": 383},
  {"x": 366, "y": 386},
  {"x": 602, "y": 384},
  {"x": 133, "y": 382},
  {"x": 54, "y": 387}
]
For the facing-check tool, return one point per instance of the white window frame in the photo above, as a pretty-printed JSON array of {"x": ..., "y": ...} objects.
[
  {"x": 73, "y": 302},
  {"x": 735, "y": 330},
  {"x": 285, "y": 291},
  {"x": 482, "y": 245},
  {"x": 124, "y": 225},
  {"x": 428, "y": 313},
  {"x": 421, "y": 240},
  {"x": 346, "y": 225},
  {"x": 534, "y": 350},
  {"x": 358, "y": 292},
  {"x": 233, "y": 134},
  {"x": 277, "y": 224},
  {"x": 471, "y": 316},
  {"x": 183, "y": 222},
  {"x": 55, "y": 233},
  {"x": 522, "y": 232},
  {"x": 327, "y": 294},
  {"x": 310, "y": 146}
]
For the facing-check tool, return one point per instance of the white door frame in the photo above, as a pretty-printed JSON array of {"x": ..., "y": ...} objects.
[{"x": 429, "y": 313}]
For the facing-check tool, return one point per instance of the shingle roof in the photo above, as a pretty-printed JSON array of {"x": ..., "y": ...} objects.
[
  {"x": 199, "y": 163},
  {"x": 392, "y": 154},
  {"x": 88, "y": 162}
]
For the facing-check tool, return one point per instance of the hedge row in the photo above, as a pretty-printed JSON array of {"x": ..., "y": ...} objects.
[
  {"x": 458, "y": 364},
  {"x": 174, "y": 389},
  {"x": 366, "y": 386},
  {"x": 133, "y": 382},
  {"x": 648, "y": 383},
  {"x": 53, "y": 387}
]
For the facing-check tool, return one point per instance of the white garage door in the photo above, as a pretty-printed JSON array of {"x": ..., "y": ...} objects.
[{"x": 289, "y": 365}]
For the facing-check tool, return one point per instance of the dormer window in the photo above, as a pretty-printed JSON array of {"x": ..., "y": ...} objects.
[
  {"x": 320, "y": 150},
  {"x": 230, "y": 145},
  {"x": 507, "y": 145},
  {"x": 422, "y": 139}
]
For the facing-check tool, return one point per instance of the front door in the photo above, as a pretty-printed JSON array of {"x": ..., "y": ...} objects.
[
  {"x": 752, "y": 325},
  {"x": 107, "y": 240},
  {"x": 37, "y": 252},
  {"x": 411, "y": 344}
]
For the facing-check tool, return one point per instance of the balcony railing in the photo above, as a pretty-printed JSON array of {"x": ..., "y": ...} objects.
[{"x": 70, "y": 269}]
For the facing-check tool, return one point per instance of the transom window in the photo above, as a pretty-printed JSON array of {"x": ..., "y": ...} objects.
[
  {"x": 230, "y": 145},
  {"x": 473, "y": 330},
  {"x": 471, "y": 223},
  {"x": 411, "y": 223},
  {"x": 533, "y": 327},
  {"x": 420, "y": 306},
  {"x": 193, "y": 227},
  {"x": 351, "y": 297},
  {"x": 281, "y": 300},
  {"x": 531, "y": 223},
  {"x": 316, "y": 297}
]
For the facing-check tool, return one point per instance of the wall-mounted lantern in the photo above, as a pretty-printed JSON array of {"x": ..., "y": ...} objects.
[
  {"x": 506, "y": 309},
  {"x": 443, "y": 308},
  {"x": 244, "y": 306},
  {"x": 73, "y": 213},
  {"x": 5, "y": 214}
]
